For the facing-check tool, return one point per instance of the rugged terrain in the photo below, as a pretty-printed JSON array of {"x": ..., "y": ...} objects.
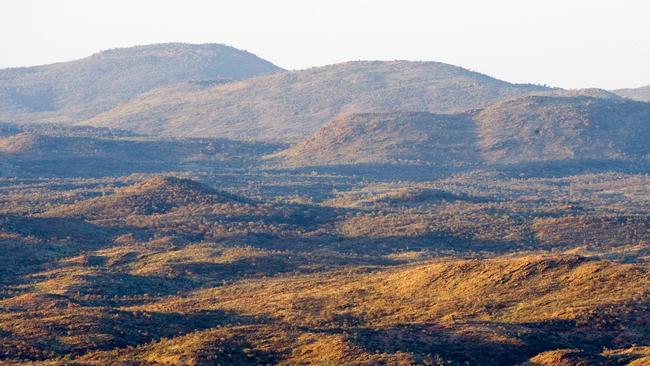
[
  {"x": 436, "y": 216},
  {"x": 476, "y": 268}
]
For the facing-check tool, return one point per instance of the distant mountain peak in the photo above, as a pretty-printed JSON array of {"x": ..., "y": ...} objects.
[
  {"x": 169, "y": 49},
  {"x": 75, "y": 90}
]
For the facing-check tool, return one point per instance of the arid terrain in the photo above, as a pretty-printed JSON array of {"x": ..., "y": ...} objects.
[{"x": 197, "y": 205}]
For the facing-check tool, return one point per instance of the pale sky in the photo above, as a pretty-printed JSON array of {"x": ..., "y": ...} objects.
[{"x": 565, "y": 43}]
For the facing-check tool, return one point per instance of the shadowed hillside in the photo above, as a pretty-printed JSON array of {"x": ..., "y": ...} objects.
[{"x": 70, "y": 91}]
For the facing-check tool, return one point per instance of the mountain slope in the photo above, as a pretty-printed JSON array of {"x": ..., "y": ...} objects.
[
  {"x": 527, "y": 288},
  {"x": 401, "y": 137},
  {"x": 550, "y": 128},
  {"x": 641, "y": 94},
  {"x": 70, "y": 91},
  {"x": 292, "y": 105},
  {"x": 522, "y": 130}
]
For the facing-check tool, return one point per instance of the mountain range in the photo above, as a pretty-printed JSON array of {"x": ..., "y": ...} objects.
[
  {"x": 291, "y": 105},
  {"x": 196, "y": 205},
  {"x": 213, "y": 90}
]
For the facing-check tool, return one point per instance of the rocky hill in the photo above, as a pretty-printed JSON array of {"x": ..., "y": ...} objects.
[
  {"x": 71, "y": 91},
  {"x": 522, "y": 130},
  {"x": 154, "y": 196},
  {"x": 398, "y": 138},
  {"x": 549, "y": 128},
  {"x": 489, "y": 312}
]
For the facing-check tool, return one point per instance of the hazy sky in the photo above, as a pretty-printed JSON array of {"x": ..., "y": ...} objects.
[{"x": 567, "y": 43}]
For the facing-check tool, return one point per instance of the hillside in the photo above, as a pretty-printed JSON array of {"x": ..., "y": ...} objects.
[
  {"x": 398, "y": 138},
  {"x": 548, "y": 128},
  {"x": 640, "y": 94},
  {"x": 34, "y": 146},
  {"x": 71, "y": 91},
  {"x": 490, "y": 312},
  {"x": 500, "y": 311},
  {"x": 154, "y": 196},
  {"x": 292, "y": 105},
  {"x": 21, "y": 143},
  {"x": 522, "y": 130},
  {"x": 53, "y": 150}
]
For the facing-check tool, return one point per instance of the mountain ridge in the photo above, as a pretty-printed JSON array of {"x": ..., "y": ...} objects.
[
  {"x": 74, "y": 90},
  {"x": 289, "y": 105}
]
